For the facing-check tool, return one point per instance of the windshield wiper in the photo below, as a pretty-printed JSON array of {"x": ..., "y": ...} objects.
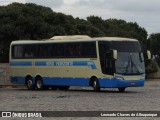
[
  {"x": 127, "y": 66},
  {"x": 134, "y": 64}
]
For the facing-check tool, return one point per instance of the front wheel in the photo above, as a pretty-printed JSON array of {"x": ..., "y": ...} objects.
[
  {"x": 121, "y": 89},
  {"x": 95, "y": 85},
  {"x": 29, "y": 83},
  {"x": 39, "y": 83}
]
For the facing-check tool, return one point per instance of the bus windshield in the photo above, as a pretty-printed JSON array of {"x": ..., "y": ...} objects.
[{"x": 130, "y": 63}]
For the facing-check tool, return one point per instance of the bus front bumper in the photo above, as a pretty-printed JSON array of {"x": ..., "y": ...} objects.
[{"x": 116, "y": 83}]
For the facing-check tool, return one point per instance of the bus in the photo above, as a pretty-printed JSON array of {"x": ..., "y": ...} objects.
[{"x": 78, "y": 60}]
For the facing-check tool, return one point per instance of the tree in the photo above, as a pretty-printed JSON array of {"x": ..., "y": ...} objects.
[
  {"x": 119, "y": 28},
  {"x": 154, "y": 45},
  {"x": 154, "y": 40},
  {"x": 30, "y": 21}
]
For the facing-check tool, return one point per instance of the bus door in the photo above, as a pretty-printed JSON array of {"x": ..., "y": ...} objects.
[{"x": 110, "y": 58}]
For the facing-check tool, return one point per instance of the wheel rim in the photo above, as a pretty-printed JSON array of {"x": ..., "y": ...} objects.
[
  {"x": 30, "y": 83},
  {"x": 94, "y": 83},
  {"x": 39, "y": 84}
]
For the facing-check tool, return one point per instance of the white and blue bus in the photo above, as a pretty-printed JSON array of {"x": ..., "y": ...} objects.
[{"x": 64, "y": 61}]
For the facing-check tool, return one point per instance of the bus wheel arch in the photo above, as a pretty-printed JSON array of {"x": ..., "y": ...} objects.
[
  {"x": 39, "y": 82},
  {"x": 94, "y": 82},
  {"x": 29, "y": 82}
]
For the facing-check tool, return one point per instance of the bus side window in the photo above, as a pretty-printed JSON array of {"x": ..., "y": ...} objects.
[
  {"x": 73, "y": 50},
  {"x": 17, "y": 51},
  {"x": 28, "y": 54},
  {"x": 40, "y": 51},
  {"x": 28, "y": 51},
  {"x": 77, "y": 51},
  {"x": 69, "y": 50},
  {"x": 89, "y": 50},
  {"x": 50, "y": 51},
  {"x": 54, "y": 51},
  {"x": 59, "y": 50}
]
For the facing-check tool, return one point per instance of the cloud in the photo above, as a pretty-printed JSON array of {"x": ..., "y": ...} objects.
[
  {"x": 122, "y": 5},
  {"x": 6, "y": 2},
  {"x": 144, "y": 12},
  {"x": 47, "y": 3}
]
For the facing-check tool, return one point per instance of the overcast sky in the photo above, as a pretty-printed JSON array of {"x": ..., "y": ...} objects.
[{"x": 145, "y": 12}]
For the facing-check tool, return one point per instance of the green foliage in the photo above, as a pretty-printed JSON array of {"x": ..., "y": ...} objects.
[
  {"x": 151, "y": 67},
  {"x": 153, "y": 43},
  {"x": 120, "y": 28},
  {"x": 31, "y": 21}
]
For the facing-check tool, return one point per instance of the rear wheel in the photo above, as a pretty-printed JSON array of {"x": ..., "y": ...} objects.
[
  {"x": 39, "y": 83},
  {"x": 121, "y": 89},
  {"x": 95, "y": 85},
  {"x": 29, "y": 83}
]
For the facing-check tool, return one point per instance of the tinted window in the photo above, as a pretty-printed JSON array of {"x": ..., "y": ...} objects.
[
  {"x": 126, "y": 46},
  {"x": 104, "y": 47},
  {"x": 17, "y": 51},
  {"x": 58, "y": 50},
  {"x": 29, "y": 51}
]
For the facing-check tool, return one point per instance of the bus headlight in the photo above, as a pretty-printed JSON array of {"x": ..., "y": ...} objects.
[{"x": 143, "y": 77}]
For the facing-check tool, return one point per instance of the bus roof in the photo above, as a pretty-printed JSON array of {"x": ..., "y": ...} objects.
[
  {"x": 72, "y": 38},
  {"x": 114, "y": 39}
]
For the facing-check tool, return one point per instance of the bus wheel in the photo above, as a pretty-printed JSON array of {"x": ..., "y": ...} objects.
[
  {"x": 95, "y": 85},
  {"x": 29, "y": 83},
  {"x": 121, "y": 89},
  {"x": 39, "y": 83},
  {"x": 63, "y": 87}
]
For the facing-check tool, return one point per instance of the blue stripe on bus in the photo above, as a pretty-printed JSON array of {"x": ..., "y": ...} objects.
[
  {"x": 59, "y": 63},
  {"x": 21, "y": 63},
  {"x": 55, "y": 63},
  {"x": 116, "y": 83},
  {"x": 103, "y": 82}
]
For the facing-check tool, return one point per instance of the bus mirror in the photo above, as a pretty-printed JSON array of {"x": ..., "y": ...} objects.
[
  {"x": 111, "y": 54},
  {"x": 115, "y": 54},
  {"x": 148, "y": 55}
]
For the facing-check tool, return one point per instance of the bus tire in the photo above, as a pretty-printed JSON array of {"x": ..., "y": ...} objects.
[
  {"x": 121, "y": 90},
  {"x": 63, "y": 87},
  {"x": 29, "y": 83},
  {"x": 95, "y": 85},
  {"x": 39, "y": 83}
]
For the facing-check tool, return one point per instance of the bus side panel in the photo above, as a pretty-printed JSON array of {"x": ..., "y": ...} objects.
[
  {"x": 55, "y": 81},
  {"x": 116, "y": 83},
  {"x": 66, "y": 81}
]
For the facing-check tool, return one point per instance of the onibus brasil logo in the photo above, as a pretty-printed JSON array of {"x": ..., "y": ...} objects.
[{"x": 21, "y": 114}]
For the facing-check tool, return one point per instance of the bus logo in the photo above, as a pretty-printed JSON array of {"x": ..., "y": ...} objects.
[{"x": 6, "y": 114}]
